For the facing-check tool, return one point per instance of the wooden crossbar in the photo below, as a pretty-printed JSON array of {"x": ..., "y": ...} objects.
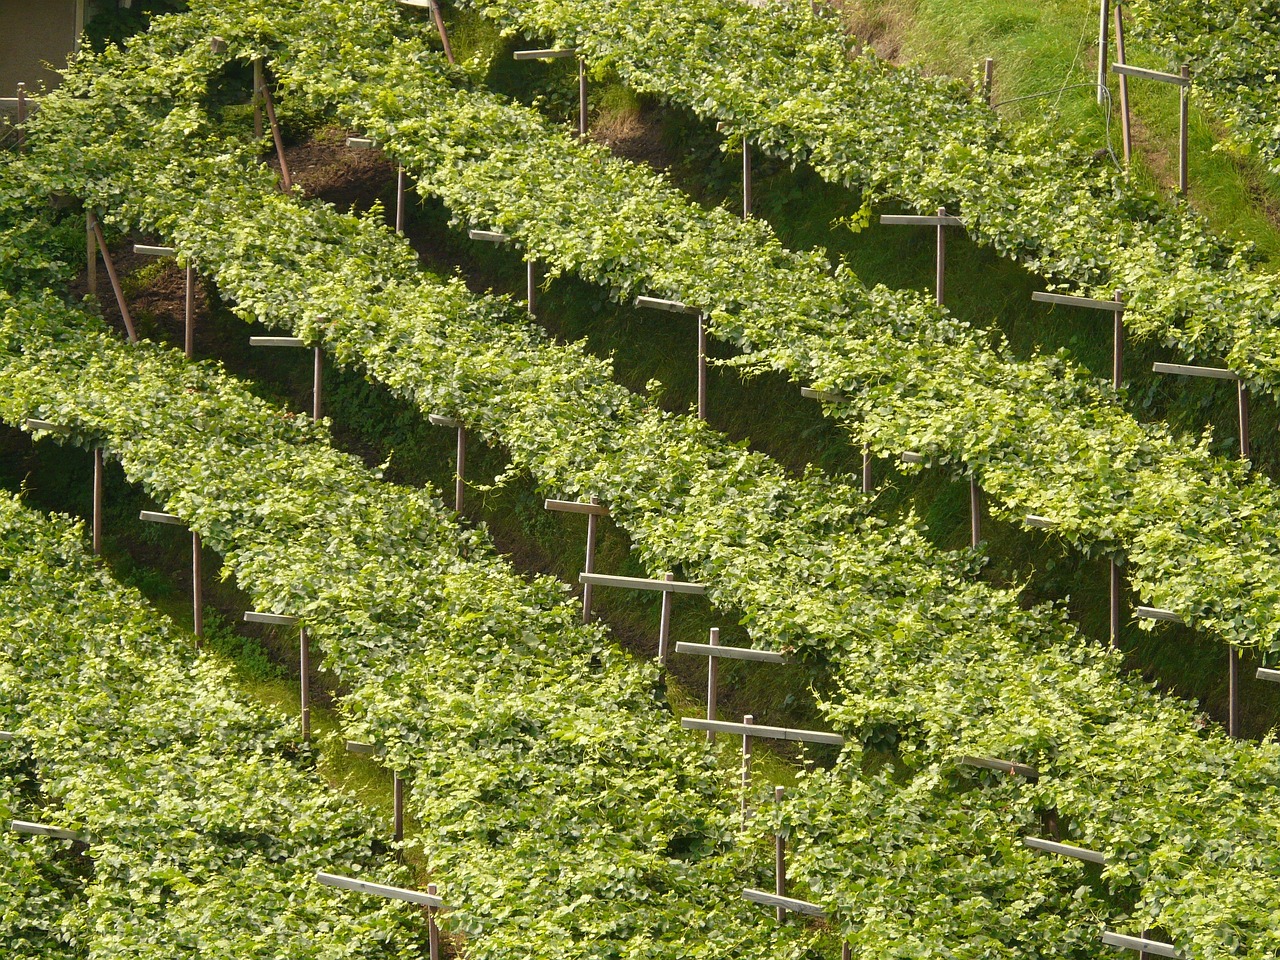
[
  {"x": 730, "y": 653},
  {"x": 442, "y": 421},
  {"x": 1265, "y": 674},
  {"x": 576, "y": 506},
  {"x": 155, "y": 517},
  {"x": 912, "y": 457},
  {"x": 6, "y": 736},
  {"x": 1043, "y": 523},
  {"x": 42, "y": 830},
  {"x": 378, "y": 889},
  {"x": 671, "y": 306},
  {"x": 825, "y": 395},
  {"x": 278, "y": 619},
  {"x": 1185, "y": 370},
  {"x": 362, "y": 143},
  {"x": 1126, "y": 70},
  {"x": 47, "y": 427},
  {"x": 767, "y": 733},
  {"x": 790, "y": 903},
  {"x": 275, "y": 342},
  {"x": 1152, "y": 947},
  {"x": 1158, "y": 613},
  {"x": 1112, "y": 306},
  {"x": 147, "y": 250},
  {"x": 545, "y": 54},
  {"x": 366, "y": 749},
  {"x": 913, "y": 220},
  {"x": 489, "y": 236},
  {"x": 1065, "y": 850},
  {"x": 639, "y": 583},
  {"x": 1003, "y": 766}
]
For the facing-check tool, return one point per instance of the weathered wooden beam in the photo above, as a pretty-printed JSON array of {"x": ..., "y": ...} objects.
[
  {"x": 1003, "y": 766},
  {"x": 768, "y": 733},
  {"x": 639, "y": 583},
  {"x": 1065, "y": 850},
  {"x": 765, "y": 898},
  {"x": 379, "y": 890},
  {"x": 1152, "y": 947},
  {"x": 730, "y": 653}
]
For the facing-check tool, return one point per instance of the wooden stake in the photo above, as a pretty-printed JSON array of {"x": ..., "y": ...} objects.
[
  {"x": 1184, "y": 145},
  {"x": 400, "y": 205},
  {"x": 98, "y": 483},
  {"x": 1126, "y": 126},
  {"x": 713, "y": 682},
  {"x": 988, "y": 81},
  {"x": 779, "y": 860},
  {"x": 975, "y": 512},
  {"x": 1242, "y": 405},
  {"x": 286, "y": 181},
  {"x": 197, "y": 588},
  {"x": 589, "y": 565},
  {"x": 1117, "y": 344},
  {"x": 22, "y": 117},
  {"x": 746, "y": 766},
  {"x": 531, "y": 286},
  {"x": 397, "y": 805},
  {"x": 582, "y": 98},
  {"x": 942, "y": 255},
  {"x": 444, "y": 34},
  {"x": 317, "y": 385},
  {"x": 258, "y": 83},
  {"x": 866, "y": 468},
  {"x": 1115, "y": 603},
  {"x": 664, "y": 623},
  {"x": 702, "y": 368},
  {"x": 1233, "y": 692},
  {"x": 90, "y": 253},
  {"x": 459, "y": 485},
  {"x": 1103, "y": 20},
  {"x": 433, "y": 931},
  {"x": 113, "y": 276},
  {"x": 189, "y": 326},
  {"x": 304, "y": 667},
  {"x": 746, "y": 179}
]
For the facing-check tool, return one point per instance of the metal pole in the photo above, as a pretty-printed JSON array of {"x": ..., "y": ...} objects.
[
  {"x": 433, "y": 932},
  {"x": 304, "y": 668},
  {"x": 988, "y": 81},
  {"x": 189, "y": 334},
  {"x": 1125, "y": 123},
  {"x": 746, "y": 766},
  {"x": 746, "y": 179},
  {"x": 1117, "y": 344},
  {"x": 531, "y": 286},
  {"x": 664, "y": 623},
  {"x": 317, "y": 385},
  {"x": 462, "y": 468},
  {"x": 257, "y": 98},
  {"x": 197, "y": 588},
  {"x": 975, "y": 512},
  {"x": 1184, "y": 93},
  {"x": 1242, "y": 403},
  {"x": 400, "y": 199},
  {"x": 582, "y": 98},
  {"x": 589, "y": 565},
  {"x": 779, "y": 861},
  {"x": 114, "y": 278},
  {"x": 397, "y": 804},
  {"x": 286, "y": 181},
  {"x": 98, "y": 479},
  {"x": 713, "y": 682},
  {"x": 444, "y": 34},
  {"x": 866, "y": 468},
  {"x": 1103, "y": 19},
  {"x": 90, "y": 253},
  {"x": 22, "y": 116},
  {"x": 942, "y": 254},
  {"x": 702, "y": 368},
  {"x": 1115, "y": 604}
]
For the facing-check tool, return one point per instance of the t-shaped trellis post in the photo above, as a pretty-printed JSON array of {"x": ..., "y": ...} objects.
[
  {"x": 582, "y": 77},
  {"x": 304, "y": 659},
  {"x": 317, "y": 381},
  {"x": 197, "y": 591},
  {"x": 594, "y": 512},
  {"x": 675, "y": 306}
]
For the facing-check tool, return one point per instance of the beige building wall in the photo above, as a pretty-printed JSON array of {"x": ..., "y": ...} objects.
[{"x": 32, "y": 33}]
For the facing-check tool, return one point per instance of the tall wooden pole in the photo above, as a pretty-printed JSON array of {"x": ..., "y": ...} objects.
[
  {"x": 713, "y": 682},
  {"x": 746, "y": 178},
  {"x": 589, "y": 565},
  {"x": 116, "y": 287},
  {"x": 22, "y": 117},
  {"x": 702, "y": 367},
  {"x": 317, "y": 385},
  {"x": 258, "y": 82},
  {"x": 286, "y": 181},
  {"x": 866, "y": 468},
  {"x": 1126, "y": 127},
  {"x": 531, "y": 286},
  {"x": 664, "y": 623},
  {"x": 1117, "y": 344},
  {"x": 433, "y": 931},
  {"x": 197, "y": 588},
  {"x": 1184, "y": 133},
  {"x": 746, "y": 766},
  {"x": 397, "y": 807},
  {"x": 779, "y": 860},
  {"x": 975, "y": 512},
  {"x": 989, "y": 81},
  {"x": 1115, "y": 603},
  {"x": 942, "y": 256},
  {"x": 582, "y": 98},
  {"x": 444, "y": 34},
  {"x": 98, "y": 483},
  {"x": 304, "y": 668},
  {"x": 459, "y": 487},
  {"x": 400, "y": 199},
  {"x": 90, "y": 253},
  {"x": 189, "y": 325},
  {"x": 1103, "y": 21}
]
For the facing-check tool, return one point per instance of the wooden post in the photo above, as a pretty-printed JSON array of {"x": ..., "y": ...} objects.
[
  {"x": 90, "y": 253},
  {"x": 975, "y": 512},
  {"x": 458, "y": 484},
  {"x": 988, "y": 81},
  {"x": 746, "y": 179},
  {"x": 397, "y": 805},
  {"x": 702, "y": 367},
  {"x": 96, "y": 227},
  {"x": 866, "y": 468},
  {"x": 1115, "y": 603},
  {"x": 98, "y": 482},
  {"x": 846, "y": 952},
  {"x": 713, "y": 682},
  {"x": 531, "y": 286},
  {"x": 433, "y": 931},
  {"x": 1103, "y": 22},
  {"x": 942, "y": 254},
  {"x": 589, "y": 565},
  {"x": 664, "y": 623},
  {"x": 189, "y": 328},
  {"x": 317, "y": 385},
  {"x": 400, "y": 190},
  {"x": 1117, "y": 344},
  {"x": 304, "y": 668},
  {"x": 444, "y": 34},
  {"x": 1242, "y": 404},
  {"x": 22, "y": 116},
  {"x": 1233, "y": 692},
  {"x": 1184, "y": 145},
  {"x": 197, "y": 588},
  {"x": 286, "y": 181},
  {"x": 582, "y": 98},
  {"x": 258, "y": 83},
  {"x": 1126, "y": 126},
  {"x": 779, "y": 860},
  {"x": 746, "y": 766}
]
